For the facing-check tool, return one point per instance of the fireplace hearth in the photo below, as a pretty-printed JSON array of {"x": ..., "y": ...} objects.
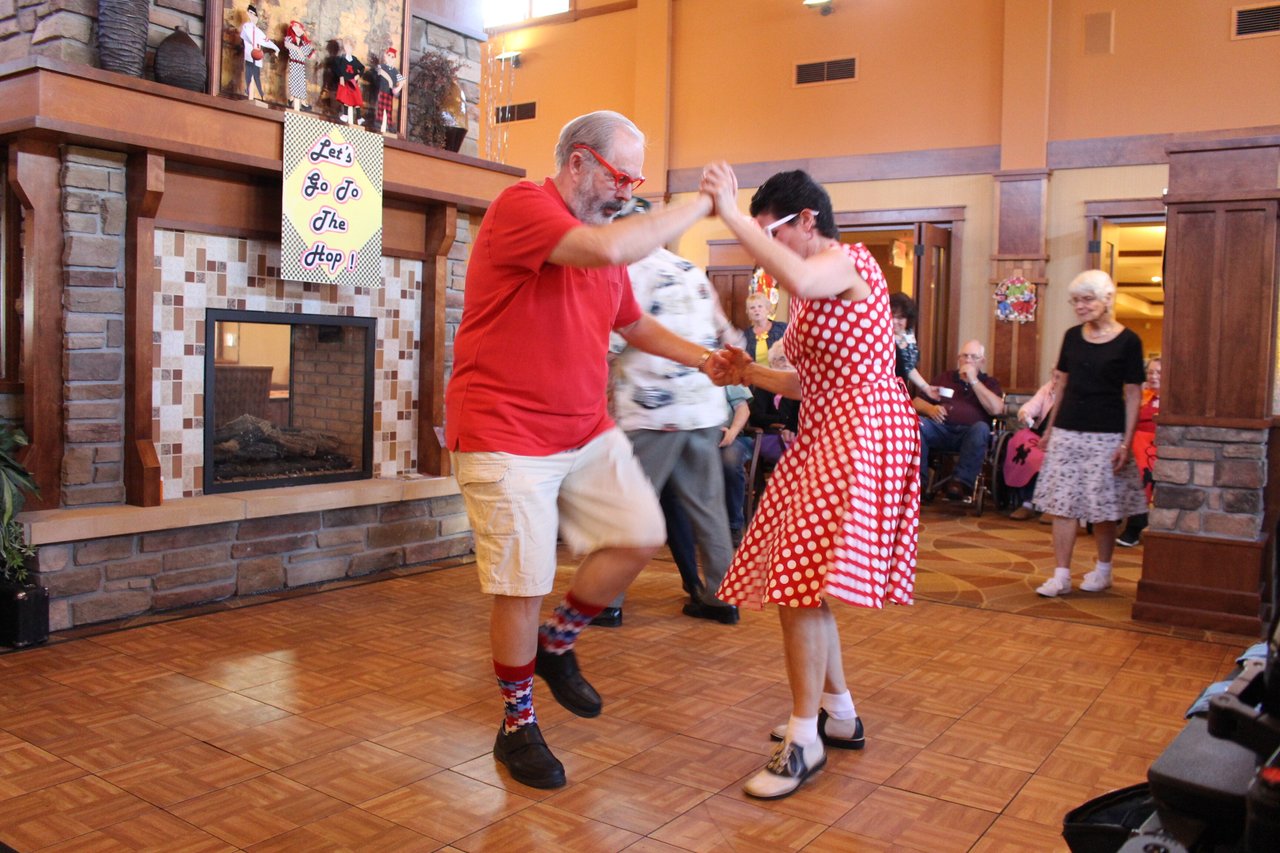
[{"x": 288, "y": 399}]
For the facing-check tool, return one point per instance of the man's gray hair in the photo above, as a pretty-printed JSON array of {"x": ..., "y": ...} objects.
[{"x": 595, "y": 129}]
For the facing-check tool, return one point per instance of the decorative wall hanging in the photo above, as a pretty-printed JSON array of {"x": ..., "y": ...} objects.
[
  {"x": 1015, "y": 300},
  {"x": 763, "y": 283},
  {"x": 332, "y": 205}
]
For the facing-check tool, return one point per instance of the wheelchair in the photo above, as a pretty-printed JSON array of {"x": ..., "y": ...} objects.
[{"x": 990, "y": 485}]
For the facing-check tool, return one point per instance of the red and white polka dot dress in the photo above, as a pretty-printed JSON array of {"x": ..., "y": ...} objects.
[{"x": 839, "y": 516}]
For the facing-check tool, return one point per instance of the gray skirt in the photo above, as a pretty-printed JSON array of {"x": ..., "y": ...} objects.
[{"x": 1076, "y": 479}]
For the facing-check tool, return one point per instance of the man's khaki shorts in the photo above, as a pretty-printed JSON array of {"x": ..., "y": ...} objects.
[{"x": 596, "y": 497}]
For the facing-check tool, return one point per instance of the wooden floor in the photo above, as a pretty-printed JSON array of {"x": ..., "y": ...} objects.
[{"x": 363, "y": 719}]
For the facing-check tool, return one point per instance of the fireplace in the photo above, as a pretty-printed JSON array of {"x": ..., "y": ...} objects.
[{"x": 288, "y": 399}]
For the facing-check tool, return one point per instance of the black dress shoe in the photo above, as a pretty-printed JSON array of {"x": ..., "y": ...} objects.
[
  {"x": 725, "y": 614},
  {"x": 566, "y": 682},
  {"x": 610, "y": 617},
  {"x": 528, "y": 758}
]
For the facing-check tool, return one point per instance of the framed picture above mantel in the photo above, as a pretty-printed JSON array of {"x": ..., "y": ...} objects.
[{"x": 300, "y": 50}]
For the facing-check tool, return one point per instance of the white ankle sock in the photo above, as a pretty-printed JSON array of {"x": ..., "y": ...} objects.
[
  {"x": 1102, "y": 568},
  {"x": 839, "y": 706},
  {"x": 802, "y": 731},
  {"x": 1062, "y": 574}
]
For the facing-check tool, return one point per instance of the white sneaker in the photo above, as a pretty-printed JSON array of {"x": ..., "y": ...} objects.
[
  {"x": 1053, "y": 587},
  {"x": 1096, "y": 581},
  {"x": 786, "y": 771}
]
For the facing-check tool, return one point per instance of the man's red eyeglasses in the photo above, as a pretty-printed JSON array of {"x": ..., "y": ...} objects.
[{"x": 620, "y": 179}]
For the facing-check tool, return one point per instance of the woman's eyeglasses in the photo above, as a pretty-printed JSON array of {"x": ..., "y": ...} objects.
[
  {"x": 1083, "y": 299},
  {"x": 620, "y": 179},
  {"x": 771, "y": 229}
]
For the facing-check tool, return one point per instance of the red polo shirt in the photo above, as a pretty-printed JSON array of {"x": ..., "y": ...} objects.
[{"x": 529, "y": 370}]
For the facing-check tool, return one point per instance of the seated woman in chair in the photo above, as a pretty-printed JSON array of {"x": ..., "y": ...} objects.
[{"x": 774, "y": 414}]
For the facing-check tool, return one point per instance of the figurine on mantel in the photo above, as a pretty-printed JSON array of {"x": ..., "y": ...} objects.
[
  {"x": 300, "y": 49},
  {"x": 389, "y": 81},
  {"x": 347, "y": 71},
  {"x": 255, "y": 41}
]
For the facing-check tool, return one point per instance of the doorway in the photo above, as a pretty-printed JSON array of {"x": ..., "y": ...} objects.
[
  {"x": 1126, "y": 241},
  {"x": 918, "y": 251},
  {"x": 915, "y": 260}
]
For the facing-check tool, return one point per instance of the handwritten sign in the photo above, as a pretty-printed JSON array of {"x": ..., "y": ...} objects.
[{"x": 332, "y": 209}]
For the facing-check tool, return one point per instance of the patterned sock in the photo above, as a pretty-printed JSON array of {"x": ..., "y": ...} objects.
[
  {"x": 839, "y": 706},
  {"x": 516, "y": 684},
  {"x": 558, "y": 634}
]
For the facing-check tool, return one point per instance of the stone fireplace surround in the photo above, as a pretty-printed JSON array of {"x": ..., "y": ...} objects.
[{"x": 101, "y": 386}]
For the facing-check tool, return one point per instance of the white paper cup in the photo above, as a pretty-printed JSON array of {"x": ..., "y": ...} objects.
[{"x": 946, "y": 393}]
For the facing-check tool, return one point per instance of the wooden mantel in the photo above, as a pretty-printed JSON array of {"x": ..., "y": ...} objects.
[
  {"x": 86, "y": 106},
  {"x": 204, "y": 163}
]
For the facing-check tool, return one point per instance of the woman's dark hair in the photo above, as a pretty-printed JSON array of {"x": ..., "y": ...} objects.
[
  {"x": 791, "y": 192},
  {"x": 902, "y": 305}
]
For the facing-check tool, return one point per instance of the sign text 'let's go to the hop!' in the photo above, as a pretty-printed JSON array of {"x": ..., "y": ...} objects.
[{"x": 328, "y": 220}]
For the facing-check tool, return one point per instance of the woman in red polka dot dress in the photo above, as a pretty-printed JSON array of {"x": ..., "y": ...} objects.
[{"x": 839, "y": 517}]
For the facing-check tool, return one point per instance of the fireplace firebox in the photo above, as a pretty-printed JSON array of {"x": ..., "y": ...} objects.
[{"x": 288, "y": 399}]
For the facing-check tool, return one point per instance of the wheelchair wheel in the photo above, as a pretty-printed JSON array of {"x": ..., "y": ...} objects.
[{"x": 999, "y": 490}]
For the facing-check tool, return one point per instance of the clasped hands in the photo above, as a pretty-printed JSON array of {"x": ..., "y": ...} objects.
[
  {"x": 719, "y": 184},
  {"x": 728, "y": 366}
]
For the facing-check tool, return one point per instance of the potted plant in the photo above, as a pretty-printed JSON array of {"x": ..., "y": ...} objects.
[
  {"x": 437, "y": 107},
  {"x": 24, "y": 606}
]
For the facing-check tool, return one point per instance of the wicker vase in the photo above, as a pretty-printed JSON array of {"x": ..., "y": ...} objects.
[
  {"x": 180, "y": 62},
  {"x": 122, "y": 35}
]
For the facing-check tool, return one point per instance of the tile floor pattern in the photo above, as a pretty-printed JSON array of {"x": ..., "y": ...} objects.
[{"x": 362, "y": 718}]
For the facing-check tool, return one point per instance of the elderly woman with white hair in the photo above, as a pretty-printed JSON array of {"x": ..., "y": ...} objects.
[{"x": 1089, "y": 473}]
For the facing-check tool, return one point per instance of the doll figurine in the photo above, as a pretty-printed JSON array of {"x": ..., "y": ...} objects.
[
  {"x": 347, "y": 71},
  {"x": 300, "y": 49},
  {"x": 255, "y": 41},
  {"x": 389, "y": 82}
]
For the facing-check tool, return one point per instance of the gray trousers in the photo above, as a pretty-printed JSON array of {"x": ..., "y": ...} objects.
[{"x": 689, "y": 460}]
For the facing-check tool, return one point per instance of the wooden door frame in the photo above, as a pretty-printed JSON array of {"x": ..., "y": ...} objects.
[
  {"x": 727, "y": 255},
  {"x": 1095, "y": 212},
  {"x": 909, "y": 217}
]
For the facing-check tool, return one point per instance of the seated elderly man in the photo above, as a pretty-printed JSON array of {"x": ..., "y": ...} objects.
[{"x": 961, "y": 422}]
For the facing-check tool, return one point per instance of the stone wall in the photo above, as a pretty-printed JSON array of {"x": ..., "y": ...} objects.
[
  {"x": 67, "y": 29},
  {"x": 99, "y": 580},
  {"x": 425, "y": 35},
  {"x": 93, "y": 222},
  {"x": 1209, "y": 481}
]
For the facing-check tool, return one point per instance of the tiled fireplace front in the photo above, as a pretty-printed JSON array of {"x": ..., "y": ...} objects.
[{"x": 202, "y": 271}]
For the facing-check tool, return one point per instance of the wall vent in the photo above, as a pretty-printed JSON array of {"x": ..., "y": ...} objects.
[
  {"x": 1100, "y": 34},
  {"x": 1253, "y": 21},
  {"x": 515, "y": 112},
  {"x": 825, "y": 72}
]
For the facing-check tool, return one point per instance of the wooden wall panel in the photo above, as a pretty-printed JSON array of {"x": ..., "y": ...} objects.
[
  {"x": 145, "y": 184},
  {"x": 1188, "y": 306},
  {"x": 1220, "y": 309},
  {"x": 35, "y": 167},
  {"x": 1247, "y": 307},
  {"x": 441, "y": 229}
]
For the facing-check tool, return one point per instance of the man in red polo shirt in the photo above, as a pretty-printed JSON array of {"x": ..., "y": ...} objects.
[{"x": 533, "y": 447}]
